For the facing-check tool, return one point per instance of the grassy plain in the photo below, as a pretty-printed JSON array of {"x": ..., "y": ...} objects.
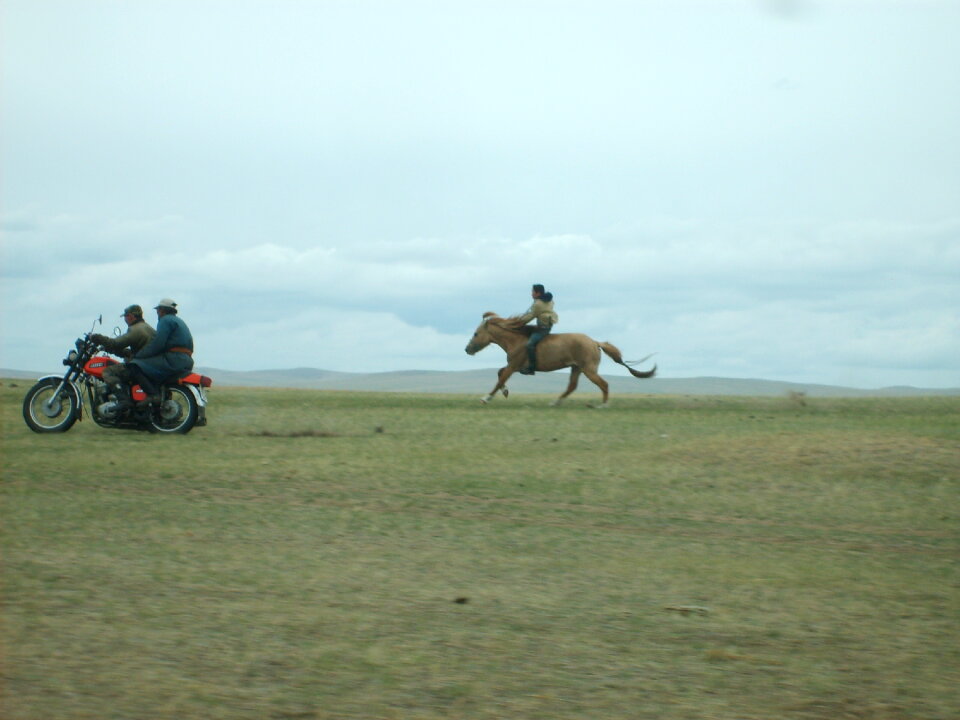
[{"x": 348, "y": 555}]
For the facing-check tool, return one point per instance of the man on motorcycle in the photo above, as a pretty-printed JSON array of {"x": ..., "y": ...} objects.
[
  {"x": 168, "y": 355},
  {"x": 138, "y": 335}
]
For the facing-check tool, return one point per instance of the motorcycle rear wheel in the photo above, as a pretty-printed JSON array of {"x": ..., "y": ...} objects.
[
  {"x": 46, "y": 413},
  {"x": 177, "y": 413}
]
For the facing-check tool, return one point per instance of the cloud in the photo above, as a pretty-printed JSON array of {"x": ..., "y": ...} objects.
[
  {"x": 783, "y": 301},
  {"x": 686, "y": 177},
  {"x": 329, "y": 338}
]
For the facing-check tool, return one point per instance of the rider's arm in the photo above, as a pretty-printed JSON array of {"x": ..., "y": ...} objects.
[
  {"x": 529, "y": 315},
  {"x": 160, "y": 341},
  {"x": 118, "y": 344}
]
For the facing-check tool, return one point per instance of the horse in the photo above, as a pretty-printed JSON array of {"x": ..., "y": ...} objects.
[{"x": 578, "y": 352}]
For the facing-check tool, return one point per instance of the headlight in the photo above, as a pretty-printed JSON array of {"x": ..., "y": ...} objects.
[{"x": 72, "y": 356}]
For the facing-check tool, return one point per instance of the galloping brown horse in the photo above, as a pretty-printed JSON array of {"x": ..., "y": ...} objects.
[{"x": 578, "y": 352}]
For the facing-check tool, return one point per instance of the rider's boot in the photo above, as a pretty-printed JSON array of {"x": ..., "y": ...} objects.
[
  {"x": 153, "y": 396},
  {"x": 124, "y": 401},
  {"x": 531, "y": 362}
]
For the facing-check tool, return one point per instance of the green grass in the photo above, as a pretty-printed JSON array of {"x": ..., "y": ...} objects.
[{"x": 348, "y": 555}]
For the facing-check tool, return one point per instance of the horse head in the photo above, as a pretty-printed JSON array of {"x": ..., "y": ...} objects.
[{"x": 481, "y": 336}]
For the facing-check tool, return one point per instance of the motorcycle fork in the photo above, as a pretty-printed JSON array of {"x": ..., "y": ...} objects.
[
  {"x": 66, "y": 382},
  {"x": 59, "y": 391}
]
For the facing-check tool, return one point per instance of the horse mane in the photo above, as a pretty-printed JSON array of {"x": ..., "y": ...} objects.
[{"x": 508, "y": 324}]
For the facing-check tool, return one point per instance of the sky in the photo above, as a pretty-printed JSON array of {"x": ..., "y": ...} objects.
[{"x": 748, "y": 188}]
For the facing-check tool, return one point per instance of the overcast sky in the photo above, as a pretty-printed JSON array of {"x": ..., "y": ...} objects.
[{"x": 748, "y": 188}]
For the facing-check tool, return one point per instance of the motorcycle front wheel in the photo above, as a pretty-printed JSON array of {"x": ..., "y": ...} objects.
[
  {"x": 177, "y": 413},
  {"x": 45, "y": 412}
]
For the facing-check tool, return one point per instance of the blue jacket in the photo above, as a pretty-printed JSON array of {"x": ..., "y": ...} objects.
[
  {"x": 155, "y": 358},
  {"x": 171, "y": 332}
]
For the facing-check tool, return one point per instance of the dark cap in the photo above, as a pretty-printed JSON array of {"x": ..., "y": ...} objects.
[{"x": 133, "y": 310}]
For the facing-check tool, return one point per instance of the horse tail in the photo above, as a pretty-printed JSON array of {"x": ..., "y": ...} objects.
[{"x": 613, "y": 352}]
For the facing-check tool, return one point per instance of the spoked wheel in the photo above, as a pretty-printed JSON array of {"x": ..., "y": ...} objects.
[
  {"x": 177, "y": 413},
  {"x": 46, "y": 412}
]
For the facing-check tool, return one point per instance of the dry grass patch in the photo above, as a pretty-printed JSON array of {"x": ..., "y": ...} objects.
[
  {"x": 668, "y": 558},
  {"x": 295, "y": 434}
]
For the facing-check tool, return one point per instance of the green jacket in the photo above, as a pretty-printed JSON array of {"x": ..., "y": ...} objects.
[
  {"x": 542, "y": 312},
  {"x": 136, "y": 338}
]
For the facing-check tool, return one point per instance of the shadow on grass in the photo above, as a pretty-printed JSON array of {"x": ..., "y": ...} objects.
[
  {"x": 304, "y": 433},
  {"x": 294, "y": 434}
]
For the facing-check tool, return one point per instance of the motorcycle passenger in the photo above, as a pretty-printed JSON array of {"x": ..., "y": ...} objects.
[
  {"x": 167, "y": 356},
  {"x": 138, "y": 335},
  {"x": 542, "y": 311}
]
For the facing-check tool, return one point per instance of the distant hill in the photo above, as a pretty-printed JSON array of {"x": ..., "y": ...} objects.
[{"x": 481, "y": 381}]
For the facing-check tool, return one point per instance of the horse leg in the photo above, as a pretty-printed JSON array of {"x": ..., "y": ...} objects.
[
  {"x": 502, "y": 375},
  {"x": 571, "y": 386},
  {"x": 595, "y": 378}
]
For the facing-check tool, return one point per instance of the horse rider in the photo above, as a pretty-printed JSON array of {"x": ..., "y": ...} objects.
[
  {"x": 137, "y": 336},
  {"x": 168, "y": 355},
  {"x": 542, "y": 311}
]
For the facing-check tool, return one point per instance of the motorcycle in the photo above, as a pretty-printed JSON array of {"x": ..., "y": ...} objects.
[{"x": 55, "y": 403}]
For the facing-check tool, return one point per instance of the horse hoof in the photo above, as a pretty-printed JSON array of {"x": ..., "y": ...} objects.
[{"x": 485, "y": 400}]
